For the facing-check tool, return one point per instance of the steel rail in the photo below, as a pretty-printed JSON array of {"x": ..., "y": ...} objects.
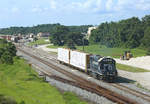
[{"x": 132, "y": 91}]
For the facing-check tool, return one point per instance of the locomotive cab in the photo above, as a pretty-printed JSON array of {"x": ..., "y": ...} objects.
[{"x": 103, "y": 67}]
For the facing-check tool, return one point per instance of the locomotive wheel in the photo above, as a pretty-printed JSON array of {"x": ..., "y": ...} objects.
[
  {"x": 88, "y": 73},
  {"x": 94, "y": 75},
  {"x": 100, "y": 77}
]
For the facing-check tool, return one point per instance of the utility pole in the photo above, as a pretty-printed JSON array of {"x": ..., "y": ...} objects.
[
  {"x": 83, "y": 40},
  {"x": 83, "y": 43}
]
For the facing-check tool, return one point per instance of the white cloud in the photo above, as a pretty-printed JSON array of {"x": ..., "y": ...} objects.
[
  {"x": 92, "y": 6},
  {"x": 15, "y": 10},
  {"x": 53, "y": 4},
  {"x": 120, "y": 5},
  {"x": 87, "y": 6},
  {"x": 36, "y": 9},
  {"x": 39, "y": 9},
  {"x": 109, "y": 5},
  {"x": 131, "y": 5},
  {"x": 143, "y": 5},
  {"x": 98, "y": 5}
]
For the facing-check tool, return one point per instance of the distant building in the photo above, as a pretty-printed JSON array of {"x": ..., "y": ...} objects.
[
  {"x": 31, "y": 35},
  {"x": 43, "y": 34},
  {"x": 31, "y": 39},
  {"x": 15, "y": 39},
  {"x": 7, "y": 37},
  {"x": 89, "y": 31}
]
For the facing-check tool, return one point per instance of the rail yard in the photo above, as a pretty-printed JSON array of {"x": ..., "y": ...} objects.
[
  {"x": 64, "y": 76},
  {"x": 75, "y": 52}
]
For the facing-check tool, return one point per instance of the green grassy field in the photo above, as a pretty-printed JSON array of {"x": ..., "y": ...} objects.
[
  {"x": 55, "y": 47},
  {"x": 130, "y": 68},
  {"x": 22, "y": 83},
  {"x": 113, "y": 52},
  {"x": 39, "y": 42}
]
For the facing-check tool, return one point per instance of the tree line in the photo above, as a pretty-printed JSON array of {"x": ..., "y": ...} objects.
[
  {"x": 48, "y": 28},
  {"x": 63, "y": 36},
  {"x": 7, "y": 52},
  {"x": 129, "y": 33}
]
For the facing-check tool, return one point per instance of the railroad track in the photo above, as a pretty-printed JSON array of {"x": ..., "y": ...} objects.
[
  {"x": 121, "y": 87},
  {"x": 85, "y": 84},
  {"x": 132, "y": 91},
  {"x": 125, "y": 88}
]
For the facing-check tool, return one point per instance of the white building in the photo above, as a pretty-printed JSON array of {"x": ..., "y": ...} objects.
[
  {"x": 89, "y": 31},
  {"x": 43, "y": 34}
]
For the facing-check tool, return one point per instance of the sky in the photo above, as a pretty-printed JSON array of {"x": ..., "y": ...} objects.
[{"x": 69, "y": 12}]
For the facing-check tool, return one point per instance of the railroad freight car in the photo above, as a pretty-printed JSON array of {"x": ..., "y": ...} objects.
[{"x": 97, "y": 66}]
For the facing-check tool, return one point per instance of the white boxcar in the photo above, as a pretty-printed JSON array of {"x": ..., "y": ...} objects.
[
  {"x": 63, "y": 55},
  {"x": 79, "y": 59}
]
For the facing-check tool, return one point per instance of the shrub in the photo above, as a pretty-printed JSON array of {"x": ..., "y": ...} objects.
[
  {"x": 6, "y": 100},
  {"x": 148, "y": 51},
  {"x": 7, "y": 58},
  {"x": 1, "y": 51}
]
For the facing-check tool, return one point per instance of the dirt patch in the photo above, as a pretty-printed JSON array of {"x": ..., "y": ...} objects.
[
  {"x": 44, "y": 48},
  {"x": 141, "y": 62},
  {"x": 142, "y": 78}
]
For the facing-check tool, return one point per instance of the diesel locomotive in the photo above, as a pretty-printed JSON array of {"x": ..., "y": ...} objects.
[{"x": 103, "y": 68}]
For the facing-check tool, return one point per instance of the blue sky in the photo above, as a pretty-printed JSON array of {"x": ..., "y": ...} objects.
[{"x": 69, "y": 12}]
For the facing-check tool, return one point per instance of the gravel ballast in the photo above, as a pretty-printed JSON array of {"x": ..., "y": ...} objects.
[{"x": 80, "y": 92}]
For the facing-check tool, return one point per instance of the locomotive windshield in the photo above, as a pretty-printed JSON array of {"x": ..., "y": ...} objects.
[{"x": 109, "y": 62}]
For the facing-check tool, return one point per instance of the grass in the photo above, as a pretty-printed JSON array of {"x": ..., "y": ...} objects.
[
  {"x": 39, "y": 42},
  {"x": 113, "y": 52},
  {"x": 23, "y": 84},
  {"x": 71, "y": 98},
  {"x": 55, "y": 47},
  {"x": 102, "y": 50},
  {"x": 130, "y": 68},
  {"x": 140, "y": 86}
]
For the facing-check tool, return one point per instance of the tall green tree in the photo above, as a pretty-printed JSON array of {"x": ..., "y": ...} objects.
[
  {"x": 58, "y": 37},
  {"x": 125, "y": 33},
  {"x": 76, "y": 37},
  {"x": 146, "y": 39},
  {"x": 71, "y": 44},
  {"x": 7, "y": 52},
  {"x": 11, "y": 48}
]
